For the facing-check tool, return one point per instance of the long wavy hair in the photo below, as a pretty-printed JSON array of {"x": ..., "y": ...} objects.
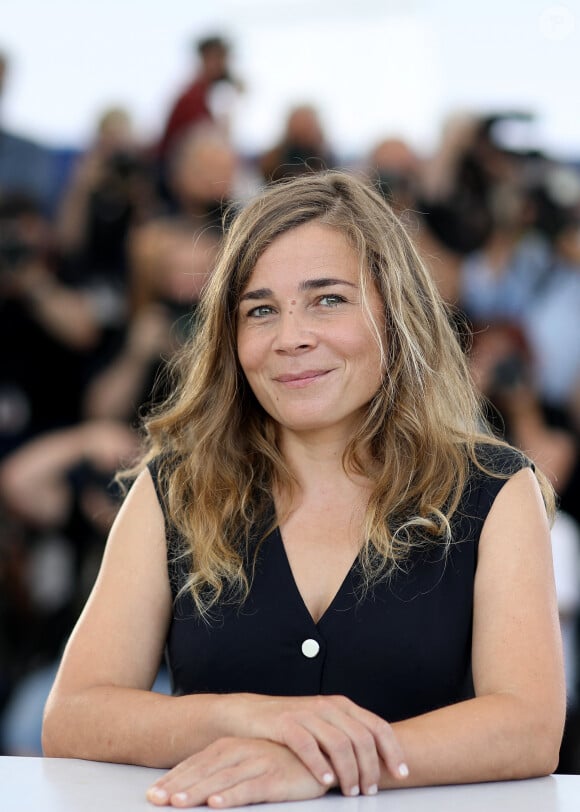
[{"x": 218, "y": 450}]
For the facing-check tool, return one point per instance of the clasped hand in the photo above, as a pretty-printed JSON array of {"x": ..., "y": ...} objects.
[{"x": 285, "y": 748}]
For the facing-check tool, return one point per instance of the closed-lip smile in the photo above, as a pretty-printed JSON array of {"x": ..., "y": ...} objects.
[{"x": 301, "y": 378}]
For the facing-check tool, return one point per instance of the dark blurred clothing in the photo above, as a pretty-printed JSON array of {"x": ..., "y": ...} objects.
[{"x": 41, "y": 378}]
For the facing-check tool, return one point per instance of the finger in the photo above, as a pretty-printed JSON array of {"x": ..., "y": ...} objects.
[
  {"x": 349, "y": 719},
  {"x": 366, "y": 754},
  {"x": 222, "y": 781},
  {"x": 185, "y": 774},
  {"x": 387, "y": 744},
  {"x": 260, "y": 789},
  {"x": 157, "y": 795},
  {"x": 220, "y": 755},
  {"x": 304, "y": 745},
  {"x": 339, "y": 749},
  {"x": 390, "y": 750}
]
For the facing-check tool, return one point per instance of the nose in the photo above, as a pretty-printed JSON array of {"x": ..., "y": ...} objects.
[{"x": 294, "y": 333}]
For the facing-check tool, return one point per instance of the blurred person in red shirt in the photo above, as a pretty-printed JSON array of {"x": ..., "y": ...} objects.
[{"x": 194, "y": 104}]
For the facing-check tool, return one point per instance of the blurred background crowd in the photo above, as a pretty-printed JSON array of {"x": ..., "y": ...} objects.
[{"x": 103, "y": 252}]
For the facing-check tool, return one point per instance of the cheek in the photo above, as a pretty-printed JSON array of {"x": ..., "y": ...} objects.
[
  {"x": 248, "y": 355},
  {"x": 371, "y": 364},
  {"x": 365, "y": 348}
]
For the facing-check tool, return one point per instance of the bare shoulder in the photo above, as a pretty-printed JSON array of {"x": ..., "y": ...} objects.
[
  {"x": 141, "y": 506},
  {"x": 515, "y": 608},
  {"x": 127, "y": 614},
  {"x": 517, "y": 511},
  {"x": 515, "y": 542},
  {"x": 136, "y": 551}
]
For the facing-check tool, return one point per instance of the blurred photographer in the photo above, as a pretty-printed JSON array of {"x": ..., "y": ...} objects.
[
  {"x": 303, "y": 147},
  {"x": 501, "y": 279},
  {"x": 47, "y": 329},
  {"x": 458, "y": 183},
  {"x": 111, "y": 190},
  {"x": 501, "y": 361},
  {"x": 396, "y": 170},
  {"x": 57, "y": 503},
  {"x": 196, "y": 103},
  {"x": 552, "y": 320},
  {"x": 169, "y": 267}
]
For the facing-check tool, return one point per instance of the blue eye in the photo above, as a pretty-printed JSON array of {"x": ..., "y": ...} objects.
[
  {"x": 331, "y": 299},
  {"x": 260, "y": 312}
]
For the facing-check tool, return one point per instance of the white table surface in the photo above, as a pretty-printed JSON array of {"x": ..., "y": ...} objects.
[{"x": 71, "y": 785}]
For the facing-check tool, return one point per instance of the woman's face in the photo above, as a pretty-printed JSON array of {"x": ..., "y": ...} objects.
[{"x": 308, "y": 345}]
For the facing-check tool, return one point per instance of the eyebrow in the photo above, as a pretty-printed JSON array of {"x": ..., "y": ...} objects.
[{"x": 307, "y": 284}]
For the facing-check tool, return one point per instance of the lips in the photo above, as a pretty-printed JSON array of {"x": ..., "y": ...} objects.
[{"x": 302, "y": 378}]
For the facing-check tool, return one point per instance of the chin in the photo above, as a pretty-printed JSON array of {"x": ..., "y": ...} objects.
[{"x": 319, "y": 423}]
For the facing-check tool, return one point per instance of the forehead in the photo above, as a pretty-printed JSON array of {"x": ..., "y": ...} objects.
[{"x": 305, "y": 251}]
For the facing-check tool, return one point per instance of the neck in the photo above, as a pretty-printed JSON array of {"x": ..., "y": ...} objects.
[
  {"x": 322, "y": 481},
  {"x": 317, "y": 458}
]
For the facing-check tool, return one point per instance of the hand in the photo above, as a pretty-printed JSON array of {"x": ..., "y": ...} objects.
[
  {"x": 335, "y": 738},
  {"x": 108, "y": 444},
  {"x": 235, "y": 772}
]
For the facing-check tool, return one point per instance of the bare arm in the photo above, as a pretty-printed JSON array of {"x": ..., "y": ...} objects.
[
  {"x": 513, "y": 728},
  {"x": 33, "y": 479},
  {"x": 65, "y": 313},
  {"x": 101, "y": 706}
]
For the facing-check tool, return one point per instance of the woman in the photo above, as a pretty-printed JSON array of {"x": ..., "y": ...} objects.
[{"x": 360, "y": 590}]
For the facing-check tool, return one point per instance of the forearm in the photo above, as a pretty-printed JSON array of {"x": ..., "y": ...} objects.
[
  {"x": 113, "y": 394},
  {"x": 32, "y": 477},
  {"x": 490, "y": 738},
  {"x": 66, "y": 314},
  {"x": 132, "y": 726}
]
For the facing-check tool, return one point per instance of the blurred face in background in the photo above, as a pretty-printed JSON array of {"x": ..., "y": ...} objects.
[
  {"x": 215, "y": 62},
  {"x": 204, "y": 171}
]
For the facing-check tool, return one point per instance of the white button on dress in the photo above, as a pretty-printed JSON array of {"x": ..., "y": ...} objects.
[{"x": 310, "y": 648}]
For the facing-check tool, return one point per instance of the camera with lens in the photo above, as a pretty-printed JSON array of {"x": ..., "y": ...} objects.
[
  {"x": 509, "y": 373},
  {"x": 14, "y": 252},
  {"x": 15, "y": 249},
  {"x": 126, "y": 165}
]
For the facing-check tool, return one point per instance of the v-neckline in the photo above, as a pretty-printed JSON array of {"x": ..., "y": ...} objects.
[{"x": 338, "y": 594}]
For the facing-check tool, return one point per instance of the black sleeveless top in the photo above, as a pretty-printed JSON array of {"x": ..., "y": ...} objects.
[{"x": 402, "y": 650}]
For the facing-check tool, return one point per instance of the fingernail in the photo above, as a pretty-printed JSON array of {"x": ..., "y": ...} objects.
[
  {"x": 179, "y": 797},
  {"x": 372, "y": 790},
  {"x": 216, "y": 799},
  {"x": 156, "y": 794},
  {"x": 354, "y": 790},
  {"x": 327, "y": 778},
  {"x": 403, "y": 770}
]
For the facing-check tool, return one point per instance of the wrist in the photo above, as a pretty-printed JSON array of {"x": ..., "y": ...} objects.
[{"x": 234, "y": 714}]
